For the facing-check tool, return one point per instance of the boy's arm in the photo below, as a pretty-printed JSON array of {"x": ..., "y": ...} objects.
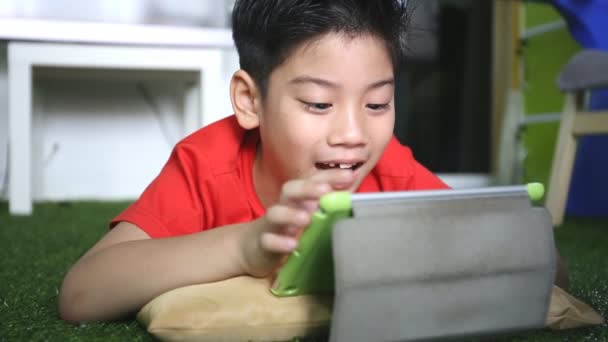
[{"x": 126, "y": 269}]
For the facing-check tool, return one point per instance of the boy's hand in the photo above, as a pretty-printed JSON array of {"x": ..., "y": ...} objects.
[{"x": 276, "y": 234}]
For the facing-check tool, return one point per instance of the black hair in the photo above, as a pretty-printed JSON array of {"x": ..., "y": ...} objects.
[{"x": 265, "y": 32}]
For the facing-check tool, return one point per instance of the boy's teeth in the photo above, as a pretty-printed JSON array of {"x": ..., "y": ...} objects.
[{"x": 337, "y": 165}]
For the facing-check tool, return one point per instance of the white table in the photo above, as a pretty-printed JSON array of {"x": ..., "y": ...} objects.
[{"x": 33, "y": 44}]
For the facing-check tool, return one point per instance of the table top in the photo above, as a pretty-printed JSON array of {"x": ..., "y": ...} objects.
[{"x": 109, "y": 33}]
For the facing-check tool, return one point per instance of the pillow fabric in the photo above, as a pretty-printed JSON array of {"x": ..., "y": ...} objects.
[
  {"x": 567, "y": 312},
  {"x": 237, "y": 309},
  {"x": 243, "y": 309}
]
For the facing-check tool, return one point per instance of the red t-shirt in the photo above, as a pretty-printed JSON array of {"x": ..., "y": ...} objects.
[{"x": 207, "y": 182}]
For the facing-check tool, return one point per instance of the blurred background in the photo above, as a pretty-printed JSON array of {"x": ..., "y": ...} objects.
[
  {"x": 475, "y": 71},
  {"x": 183, "y": 13},
  {"x": 101, "y": 90},
  {"x": 85, "y": 123}
]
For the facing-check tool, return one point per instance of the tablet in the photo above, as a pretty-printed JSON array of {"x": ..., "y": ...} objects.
[{"x": 310, "y": 268}]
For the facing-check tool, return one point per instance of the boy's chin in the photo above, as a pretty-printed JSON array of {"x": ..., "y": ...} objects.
[{"x": 359, "y": 176}]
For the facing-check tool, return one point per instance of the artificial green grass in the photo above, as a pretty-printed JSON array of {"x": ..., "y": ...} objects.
[{"x": 36, "y": 251}]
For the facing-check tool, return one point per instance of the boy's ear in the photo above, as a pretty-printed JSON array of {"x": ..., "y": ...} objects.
[{"x": 245, "y": 96}]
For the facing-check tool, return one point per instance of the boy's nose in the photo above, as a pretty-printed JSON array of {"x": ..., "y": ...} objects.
[{"x": 347, "y": 129}]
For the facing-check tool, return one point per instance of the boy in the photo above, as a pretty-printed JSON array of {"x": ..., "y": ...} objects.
[{"x": 313, "y": 113}]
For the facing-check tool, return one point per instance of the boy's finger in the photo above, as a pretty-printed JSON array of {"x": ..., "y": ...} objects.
[
  {"x": 298, "y": 190},
  {"x": 316, "y": 186},
  {"x": 291, "y": 230},
  {"x": 275, "y": 243},
  {"x": 280, "y": 215},
  {"x": 336, "y": 178},
  {"x": 310, "y": 206}
]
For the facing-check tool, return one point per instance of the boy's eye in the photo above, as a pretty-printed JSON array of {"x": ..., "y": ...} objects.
[
  {"x": 316, "y": 107},
  {"x": 375, "y": 106}
]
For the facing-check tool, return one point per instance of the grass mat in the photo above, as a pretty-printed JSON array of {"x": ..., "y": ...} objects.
[{"x": 36, "y": 251}]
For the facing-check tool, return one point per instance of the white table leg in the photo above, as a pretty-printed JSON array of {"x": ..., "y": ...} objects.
[
  {"x": 212, "y": 93},
  {"x": 20, "y": 121},
  {"x": 192, "y": 107}
]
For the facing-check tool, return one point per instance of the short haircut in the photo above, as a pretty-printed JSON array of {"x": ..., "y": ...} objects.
[{"x": 267, "y": 31}]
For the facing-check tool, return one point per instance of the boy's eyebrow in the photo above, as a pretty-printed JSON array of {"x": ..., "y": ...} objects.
[
  {"x": 330, "y": 84},
  {"x": 382, "y": 83},
  {"x": 315, "y": 80}
]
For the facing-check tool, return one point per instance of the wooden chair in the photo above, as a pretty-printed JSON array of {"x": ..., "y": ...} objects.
[{"x": 586, "y": 70}]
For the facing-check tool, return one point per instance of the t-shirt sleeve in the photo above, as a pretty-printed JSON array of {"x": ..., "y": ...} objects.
[
  {"x": 173, "y": 204},
  {"x": 423, "y": 179}
]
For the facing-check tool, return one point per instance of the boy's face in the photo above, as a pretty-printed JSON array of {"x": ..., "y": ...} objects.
[{"x": 329, "y": 105}]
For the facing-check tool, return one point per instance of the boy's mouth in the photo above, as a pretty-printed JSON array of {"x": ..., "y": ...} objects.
[{"x": 336, "y": 165}]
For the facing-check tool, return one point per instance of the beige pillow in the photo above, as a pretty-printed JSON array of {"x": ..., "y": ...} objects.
[
  {"x": 238, "y": 309},
  {"x": 567, "y": 312},
  {"x": 243, "y": 309}
]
